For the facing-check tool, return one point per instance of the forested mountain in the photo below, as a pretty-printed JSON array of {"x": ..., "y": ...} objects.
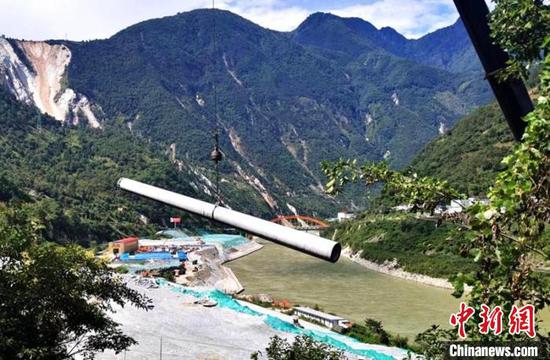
[
  {"x": 469, "y": 156},
  {"x": 69, "y": 176},
  {"x": 448, "y": 48},
  {"x": 333, "y": 87}
]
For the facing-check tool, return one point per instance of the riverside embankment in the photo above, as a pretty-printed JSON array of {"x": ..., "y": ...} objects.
[
  {"x": 392, "y": 269},
  {"x": 345, "y": 288},
  {"x": 178, "y": 327}
]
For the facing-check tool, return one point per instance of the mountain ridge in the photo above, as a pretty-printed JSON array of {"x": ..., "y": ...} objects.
[
  {"x": 430, "y": 49},
  {"x": 283, "y": 105}
]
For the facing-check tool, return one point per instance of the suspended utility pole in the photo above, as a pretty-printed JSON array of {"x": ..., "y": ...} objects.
[{"x": 511, "y": 94}]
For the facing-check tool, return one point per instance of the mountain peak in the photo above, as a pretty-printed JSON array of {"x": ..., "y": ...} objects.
[
  {"x": 286, "y": 101},
  {"x": 322, "y": 18},
  {"x": 390, "y": 31},
  {"x": 314, "y": 20},
  {"x": 198, "y": 20},
  {"x": 351, "y": 36},
  {"x": 448, "y": 48},
  {"x": 456, "y": 29},
  {"x": 390, "y": 34}
]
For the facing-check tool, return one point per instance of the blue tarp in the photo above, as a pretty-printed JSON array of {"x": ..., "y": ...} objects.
[
  {"x": 327, "y": 337},
  {"x": 157, "y": 255},
  {"x": 225, "y": 240}
]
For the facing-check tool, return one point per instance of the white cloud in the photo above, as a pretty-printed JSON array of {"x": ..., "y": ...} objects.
[
  {"x": 82, "y": 20},
  {"x": 269, "y": 14},
  {"x": 412, "y": 18}
]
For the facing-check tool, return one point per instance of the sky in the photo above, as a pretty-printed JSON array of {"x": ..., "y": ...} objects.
[{"x": 99, "y": 19}]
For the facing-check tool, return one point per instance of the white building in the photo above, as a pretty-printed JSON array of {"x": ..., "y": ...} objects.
[
  {"x": 343, "y": 215},
  {"x": 404, "y": 207},
  {"x": 328, "y": 320},
  {"x": 459, "y": 205}
]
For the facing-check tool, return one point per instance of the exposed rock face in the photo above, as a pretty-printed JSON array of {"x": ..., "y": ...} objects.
[
  {"x": 35, "y": 72},
  {"x": 392, "y": 268},
  {"x": 395, "y": 98},
  {"x": 442, "y": 128},
  {"x": 258, "y": 186}
]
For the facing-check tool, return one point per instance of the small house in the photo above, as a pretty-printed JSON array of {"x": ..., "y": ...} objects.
[
  {"x": 126, "y": 245},
  {"x": 329, "y": 320},
  {"x": 344, "y": 215}
]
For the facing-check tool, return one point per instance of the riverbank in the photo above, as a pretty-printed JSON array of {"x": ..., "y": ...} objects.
[
  {"x": 242, "y": 250},
  {"x": 214, "y": 273},
  {"x": 344, "y": 288},
  {"x": 391, "y": 268},
  {"x": 228, "y": 282},
  {"x": 178, "y": 327},
  {"x": 353, "y": 344},
  {"x": 400, "y": 240}
]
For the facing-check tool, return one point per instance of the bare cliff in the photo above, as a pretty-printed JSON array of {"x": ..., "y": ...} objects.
[{"x": 36, "y": 73}]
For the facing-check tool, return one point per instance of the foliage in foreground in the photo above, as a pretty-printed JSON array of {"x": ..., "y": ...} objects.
[
  {"x": 54, "y": 299},
  {"x": 508, "y": 239},
  {"x": 423, "y": 193},
  {"x": 372, "y": 332},
  {"x": 303, "y": 348}
]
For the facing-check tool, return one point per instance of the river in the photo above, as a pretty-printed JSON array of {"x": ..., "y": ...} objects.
[{"x": 344, "y": 288}]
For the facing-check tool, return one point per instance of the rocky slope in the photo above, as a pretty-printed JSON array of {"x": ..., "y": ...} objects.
[{"x": 36, "y": 73}]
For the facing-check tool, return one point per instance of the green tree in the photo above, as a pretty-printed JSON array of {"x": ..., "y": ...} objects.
[
  {"x": 54, "y": 300},
  {"x": 8, "y": 190},
  {"x": 376, "y": 328},
  {"x": 303, "y": 348},
  {"x": 372, "y": 332},
  {"x": 510, "y": 233},
  {"x": 522, "y": 28}
]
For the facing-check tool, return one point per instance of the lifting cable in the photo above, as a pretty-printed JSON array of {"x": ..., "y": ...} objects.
[{"x": 216, "y": 154}]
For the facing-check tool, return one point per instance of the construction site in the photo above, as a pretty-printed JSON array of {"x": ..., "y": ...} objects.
[{"x": 184, "y": 259}]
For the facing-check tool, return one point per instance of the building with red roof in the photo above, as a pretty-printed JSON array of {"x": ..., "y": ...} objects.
[{"x": 126, "y": 245}]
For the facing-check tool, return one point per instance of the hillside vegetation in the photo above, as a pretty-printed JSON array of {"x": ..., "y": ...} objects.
[
  {"x": 69, "y": 175},
  {"x": 416, "y": 245},
  {"x": 333, "y": 87},
  {"x": 469, "y": 156}
]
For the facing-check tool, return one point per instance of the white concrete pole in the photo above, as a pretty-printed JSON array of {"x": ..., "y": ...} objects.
[{"x": 295, "y": 239}]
